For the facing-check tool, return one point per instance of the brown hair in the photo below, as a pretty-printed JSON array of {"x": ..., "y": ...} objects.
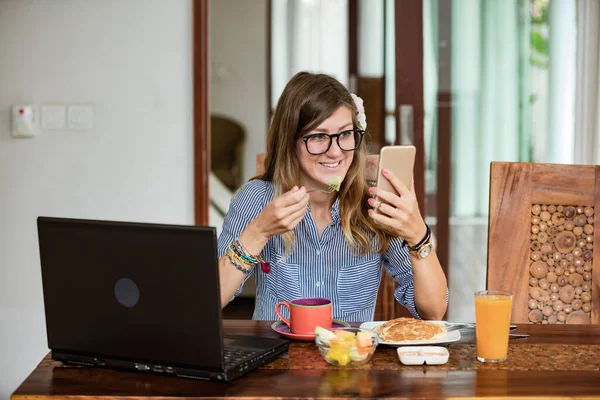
[{"x": 306, "y": 101}]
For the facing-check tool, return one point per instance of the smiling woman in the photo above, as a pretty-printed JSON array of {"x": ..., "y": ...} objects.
[
  {"x": 312, "y": 242},
  {"x": 320, "y": 162}
]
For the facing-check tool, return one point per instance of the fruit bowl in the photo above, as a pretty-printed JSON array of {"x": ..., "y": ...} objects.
[{"x": 346, "y": 347}]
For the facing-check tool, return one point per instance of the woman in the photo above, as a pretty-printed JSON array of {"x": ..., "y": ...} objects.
[{"x": 302, "y": 240}]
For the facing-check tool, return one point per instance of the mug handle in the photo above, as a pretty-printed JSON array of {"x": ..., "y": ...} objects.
[{"x": 285, "y": 304}]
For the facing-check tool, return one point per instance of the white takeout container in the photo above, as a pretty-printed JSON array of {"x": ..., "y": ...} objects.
[{"x": 419, "y": 355}]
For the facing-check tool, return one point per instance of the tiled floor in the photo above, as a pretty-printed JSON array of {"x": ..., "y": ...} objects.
[{"x": 467, "y": 268}]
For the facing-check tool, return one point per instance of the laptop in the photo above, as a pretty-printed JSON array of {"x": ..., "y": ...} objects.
[{"x": 141, "y": 297}]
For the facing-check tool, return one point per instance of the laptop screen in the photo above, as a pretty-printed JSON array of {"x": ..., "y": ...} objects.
[{"x": 132, "y": 291}]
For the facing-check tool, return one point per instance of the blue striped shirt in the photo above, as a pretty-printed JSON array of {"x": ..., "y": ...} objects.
[{"x": 319, "y": 266}]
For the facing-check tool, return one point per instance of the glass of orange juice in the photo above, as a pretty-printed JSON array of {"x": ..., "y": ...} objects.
[{"x": 492, "y": 324}]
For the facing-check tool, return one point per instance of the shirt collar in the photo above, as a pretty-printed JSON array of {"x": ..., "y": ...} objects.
[{"x": 335, "y": 210}]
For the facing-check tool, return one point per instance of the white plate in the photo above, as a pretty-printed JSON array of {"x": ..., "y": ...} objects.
[{"x": 451, "y": 336}]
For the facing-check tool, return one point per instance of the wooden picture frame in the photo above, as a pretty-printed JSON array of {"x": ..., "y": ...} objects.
[{"x": 515, "y": 189}]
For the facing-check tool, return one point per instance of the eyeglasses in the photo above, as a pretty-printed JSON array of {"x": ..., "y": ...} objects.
[{"x": 320, "y": 143}]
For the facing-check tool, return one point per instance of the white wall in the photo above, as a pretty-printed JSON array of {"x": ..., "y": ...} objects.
[
  {"x": 238, "y": 46},
  {"x": 132, "y": 59}
]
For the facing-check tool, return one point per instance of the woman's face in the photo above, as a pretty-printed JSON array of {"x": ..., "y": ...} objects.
[{"x": 317, "y": 170}]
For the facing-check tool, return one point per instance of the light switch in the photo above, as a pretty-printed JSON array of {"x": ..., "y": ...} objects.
[
  {"x": 23, "y": 121},
  {"x": 80, "y": 116},
  {"x": 53, "y": 116}
]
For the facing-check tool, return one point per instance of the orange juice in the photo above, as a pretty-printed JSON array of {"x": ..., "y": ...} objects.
[{"x": 492, "y": 324}]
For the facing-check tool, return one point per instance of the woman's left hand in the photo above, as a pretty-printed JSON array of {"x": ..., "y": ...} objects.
[{"x": 399, "y": 211}]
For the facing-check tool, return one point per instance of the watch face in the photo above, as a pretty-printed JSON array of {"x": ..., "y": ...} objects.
[{"x": 425, "y": 251}]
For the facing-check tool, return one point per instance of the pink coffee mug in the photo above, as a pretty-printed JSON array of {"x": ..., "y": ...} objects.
[{"x": 306, "y": 314}]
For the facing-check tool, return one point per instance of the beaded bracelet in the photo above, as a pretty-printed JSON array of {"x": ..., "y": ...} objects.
[
  {"x": 233, "y": 259},
  {"x": 248, "y": 260},
  {"x": 239, "y": 249}
]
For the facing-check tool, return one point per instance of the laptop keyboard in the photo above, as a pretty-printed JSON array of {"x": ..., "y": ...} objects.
[{"x": 234, "y": 356}]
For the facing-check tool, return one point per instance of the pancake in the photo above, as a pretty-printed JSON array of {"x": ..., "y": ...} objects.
[{"x": 409, "y": 330}]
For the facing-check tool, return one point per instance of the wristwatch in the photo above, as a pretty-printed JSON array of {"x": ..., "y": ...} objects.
[{"x": 424, "y": 247}]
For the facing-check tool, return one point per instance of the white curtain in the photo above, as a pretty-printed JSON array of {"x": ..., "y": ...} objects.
[
  {"x": 430, "y": 92},
  {"x": 390, "y": 71},
  {"x": 308, "y": 35},
  {"x": 587, "y": 121},
  {"x": 370, "y": 38},
  {"x": 505, "y": 106},
  {"x": 562, "y": 67},
  {"x": 490, "y": 118}
]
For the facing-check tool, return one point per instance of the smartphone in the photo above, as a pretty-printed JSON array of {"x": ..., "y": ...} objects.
[{"x": 401, "y": 161}]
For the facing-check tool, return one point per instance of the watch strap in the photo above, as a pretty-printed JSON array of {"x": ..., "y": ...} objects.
[{"x": 425, "y": 239}]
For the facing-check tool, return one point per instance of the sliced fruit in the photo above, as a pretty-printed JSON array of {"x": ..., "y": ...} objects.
[
  {"x": 344, "y": 339},
  {"x": 346, "y": 347},
  {"x": 344, "y": 359},
  {"x": 335, "y": 183},
  {"x": 323, "y": 333},
  {"x": 364, "y": 339},
  {"x": 356, "y": 356},
  {"x": 335, "y": 354},
  {"x": 344, "y": 334}
]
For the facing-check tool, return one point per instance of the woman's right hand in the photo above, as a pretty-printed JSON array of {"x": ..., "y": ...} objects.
[{"x": 284, "y": 213}]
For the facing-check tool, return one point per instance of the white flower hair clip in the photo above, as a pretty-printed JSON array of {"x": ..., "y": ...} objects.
[{"x": 360, "y": 112}]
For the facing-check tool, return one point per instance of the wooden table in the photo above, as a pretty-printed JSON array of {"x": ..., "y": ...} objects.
[{"x": 561, "y": 361}]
